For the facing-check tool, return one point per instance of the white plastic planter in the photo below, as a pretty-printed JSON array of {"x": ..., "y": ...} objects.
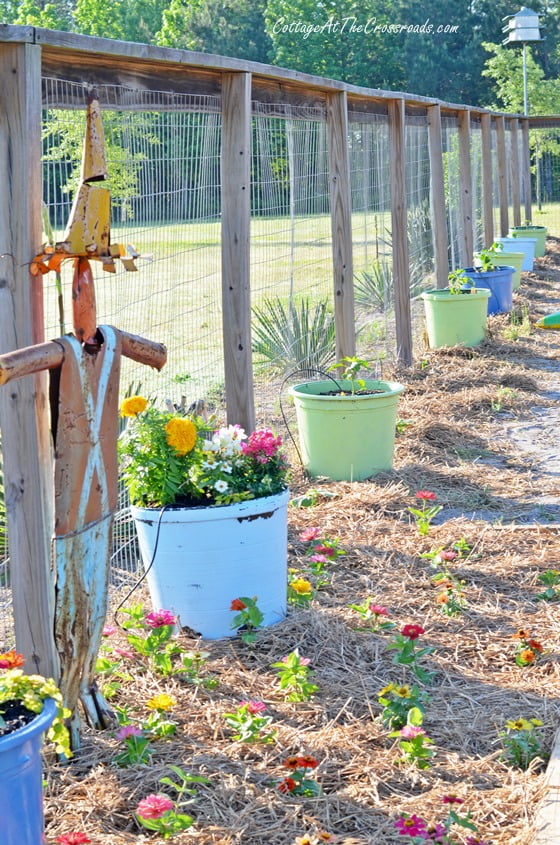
[{"x": 207, "y": 556}]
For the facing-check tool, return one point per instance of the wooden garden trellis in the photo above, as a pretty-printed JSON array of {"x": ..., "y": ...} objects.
[{"x": 27, "y": 53}]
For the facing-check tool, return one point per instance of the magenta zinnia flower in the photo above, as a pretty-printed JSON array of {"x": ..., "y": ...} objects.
[
  {"x": 254, "y": 707},
  {"x": 318, "y": 558},
  {"x": 159, "y": 618},
  {"x": 154, "y": 806},
  {"x": 411, "y": 825},
  {"x": 449, "y": 555},
  {"x": 76, "y": 838},
  {"x": 309, "y": 534},
  {"x": 126, "y": 731},
  {"x": 426, "y": 495},
  {"x": 261, "y": 445},
  {"x": 452, "y": 799},
  {"x": 324, "y": 550},
  {"x": 108, "y": 630}
]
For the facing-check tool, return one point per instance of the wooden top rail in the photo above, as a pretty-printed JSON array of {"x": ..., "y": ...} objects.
[{"x": 103, "y": 60}]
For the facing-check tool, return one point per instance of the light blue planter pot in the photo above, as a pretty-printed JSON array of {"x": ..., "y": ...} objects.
[
  {"x": 525, "y": 245},
  {"x": 21, "y": 781}
]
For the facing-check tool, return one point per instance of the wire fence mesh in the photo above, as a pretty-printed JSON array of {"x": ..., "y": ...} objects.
[{"x": 163, "y": 158}]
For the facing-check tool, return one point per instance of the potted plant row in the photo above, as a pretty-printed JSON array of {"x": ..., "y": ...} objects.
[
  {"x": 346, "y": 425},
  {"x": 210, "y": 510}
]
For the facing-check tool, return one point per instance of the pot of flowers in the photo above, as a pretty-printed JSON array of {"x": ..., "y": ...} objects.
[
  {"x": 456, "y": 315},
  {"x": 498, "y": 279},
  {"x": 30, "y": 707},
  {"x": 346, "y": 426},
  {"x": 531, "y": 231},
  {"x": 210, "y": 509}
]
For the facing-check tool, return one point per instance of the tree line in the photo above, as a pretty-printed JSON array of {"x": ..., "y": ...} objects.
[{"x": 450, "y": 50}]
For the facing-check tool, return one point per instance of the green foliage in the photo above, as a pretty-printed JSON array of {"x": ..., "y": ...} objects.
[
  {"x": 522, "y": 743},
  {"x": 294, "y": 677},
  {"x": 350, "y": 367},
  {"x": 224, "y": 27},
  {"x": 373, "y": 288},
  {"x": 295, "y": 336},
  {"x": 505, "y": 69},
  {"x": 398, "y": 701}
]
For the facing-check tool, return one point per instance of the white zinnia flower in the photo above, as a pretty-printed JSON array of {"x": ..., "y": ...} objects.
[{"x": 221, "y": 486}]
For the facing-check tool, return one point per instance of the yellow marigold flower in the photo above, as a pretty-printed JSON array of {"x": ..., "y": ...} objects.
[
  {"x": 181, "y": 434},
  {"x": 133, "y": 405},
  {"x": 163, "y": 701},
  {"x": 301, "y": 586}
]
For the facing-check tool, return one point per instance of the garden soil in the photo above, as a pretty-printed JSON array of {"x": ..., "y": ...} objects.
[{"x": 482, "y": 434}]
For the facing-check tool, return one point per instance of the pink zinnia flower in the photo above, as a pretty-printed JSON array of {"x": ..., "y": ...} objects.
[
  {"x": 154, "y": 806},
  {"x": 309, "y": 534},
  {"x": 303, "y": 661},
  {"x": 412, "y": 631},
  {"x": 108, "y": 630},
  {"x": 319, "y": 558},
  {"x": 75, "y": 838},
  {"x": 412, "y": 731},
  {"x": 450, "y": 555},
  {"x": 123, "y": 652},
  {"x": 427, "y": 495},
  {"x": 411, "y": 825},
  {"x": 254, "y": 707},
  {"x": 378, "y": 610},
  {"x": 159, "y": 618},
  {"x": 126, "y": 731},
  {"x": 262, "y": 445}
]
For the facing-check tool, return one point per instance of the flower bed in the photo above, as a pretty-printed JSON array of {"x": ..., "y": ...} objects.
[{"x": 297, "y": 737}]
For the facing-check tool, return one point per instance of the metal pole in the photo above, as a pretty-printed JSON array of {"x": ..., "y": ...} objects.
[{"x": 525, "y": 98}]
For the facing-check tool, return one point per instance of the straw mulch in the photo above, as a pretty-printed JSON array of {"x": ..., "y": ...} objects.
[{"x": 465, "y": 410}]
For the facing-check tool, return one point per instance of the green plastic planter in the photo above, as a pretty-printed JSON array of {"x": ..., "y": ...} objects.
[
  {"x": 538, "y": 232},
  {"x": 346, "y": 438},
  {"x": 512, "y": 259},
  {"x": 456, "y": 319}
]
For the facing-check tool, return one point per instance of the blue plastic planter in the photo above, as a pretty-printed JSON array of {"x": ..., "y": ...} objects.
[
  {"x": 499, "y": 281},
  {"x": 21, "y": 781}
]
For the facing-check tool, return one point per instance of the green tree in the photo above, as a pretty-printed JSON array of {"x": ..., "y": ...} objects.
[
  {"x": 336, "y": 40},
  {"x": 52, "y": 15},
  {"x": 127, "y": 20},
  {"x": 225, "y": 27},
  {"x": 505, "y": 70}
]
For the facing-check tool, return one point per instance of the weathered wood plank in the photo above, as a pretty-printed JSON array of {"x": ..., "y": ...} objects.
[
  {"x": 236, "y": 218},
  {"x": 526, "y": 169},
  {"x": 341, "y": 225},
  {"x": 502, "y": 175},
  {"x": 487, "y": 190},
  {"x": 437, "y": 197},
  {"x": 399, "y": 236},
  {"x": 23, "y": 405},
  {"x": 465, "y": 187},
  {"x": 548, "y": 814},
  {"x": 515, "y": 172}
]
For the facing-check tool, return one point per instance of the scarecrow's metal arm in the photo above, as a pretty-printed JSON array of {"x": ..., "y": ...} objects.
[{"x": 48, "y": 356}]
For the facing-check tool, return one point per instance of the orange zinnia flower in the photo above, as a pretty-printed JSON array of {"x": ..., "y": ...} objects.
[
  {"x": 237, "y": 604},
  {"x": 535, "y": 645},
  {"x": 521, "y": 634},
  {"x": 307, "y": 762},
  {"x": 291, "y": 762},
  {"x": 527, "y": 655},
  {"x": 287, "y": 785},
  {"x": 10, "y": 659}
]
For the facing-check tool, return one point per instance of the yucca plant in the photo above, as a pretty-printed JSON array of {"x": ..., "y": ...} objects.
[
  {"x": 294, "y": 336},
  {"x": 372, "y": 289}
]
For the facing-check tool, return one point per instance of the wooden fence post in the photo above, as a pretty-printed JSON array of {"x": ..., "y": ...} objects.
[
  {"x": 341, "y": 224},
  {"x": 515, "y": 172},
  {"x": 502, "y": 174},
  {"x": 236, "y": 221},
  {"x": 465, "y": 182},
  {"x": 437, "y": 197},
  {"x": 399, "y": 230},
  {"x": 526, "y": 168},
  {"x": 24, "y": 418},
  {"x": 487, "y": 187}
]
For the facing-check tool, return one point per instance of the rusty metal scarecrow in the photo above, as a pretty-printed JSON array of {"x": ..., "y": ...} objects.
[{"x": 85, "y": 370}]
